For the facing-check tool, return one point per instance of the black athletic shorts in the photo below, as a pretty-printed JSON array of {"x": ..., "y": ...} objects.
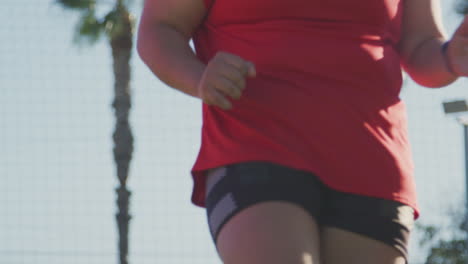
[{"x": 235, "y": 187}]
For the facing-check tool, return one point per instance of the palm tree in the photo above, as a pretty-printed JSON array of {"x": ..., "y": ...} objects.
[{"x": 118, "y": 25}]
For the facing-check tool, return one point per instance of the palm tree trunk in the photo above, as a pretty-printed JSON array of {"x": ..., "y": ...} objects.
[{"x": 121, "y": 53}]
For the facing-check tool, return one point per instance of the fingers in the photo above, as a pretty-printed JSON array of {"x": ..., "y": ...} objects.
[
  {"x": 246, "y": 68},
  {"x": 216, "y": 98},
  {"x": 224, "y": 77},
  {"x": 227, "y": 87},
  {"x": 232, "y": 74},
  {"x": 251, "y": 71}
]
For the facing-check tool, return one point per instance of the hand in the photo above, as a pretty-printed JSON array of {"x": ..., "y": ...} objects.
[
  {"x": 224, "y": 75},
  {"x": 457, "y": 50}
]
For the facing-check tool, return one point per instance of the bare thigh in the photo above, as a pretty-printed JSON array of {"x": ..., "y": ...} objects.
[
  {"x": 343, "y": 247},
  {"x": 270, "y": 233}
]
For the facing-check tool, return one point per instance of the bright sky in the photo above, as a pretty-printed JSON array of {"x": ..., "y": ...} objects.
[{"x": 57, "y": 202}]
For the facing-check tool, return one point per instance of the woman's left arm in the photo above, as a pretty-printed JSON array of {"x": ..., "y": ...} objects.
[{"x": 421, "y": 43}]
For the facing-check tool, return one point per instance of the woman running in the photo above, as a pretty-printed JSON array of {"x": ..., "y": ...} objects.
[{"x": 304, "y": 155}]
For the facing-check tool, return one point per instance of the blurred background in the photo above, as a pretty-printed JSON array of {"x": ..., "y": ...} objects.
[{"x": 57, "y": 170}]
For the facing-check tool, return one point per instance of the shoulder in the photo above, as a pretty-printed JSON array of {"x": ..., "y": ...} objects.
[{"x": 182, "y": 15}]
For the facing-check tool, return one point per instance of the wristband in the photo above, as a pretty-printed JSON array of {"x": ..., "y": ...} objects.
[
  {"x": 445, "y": 46},
  {"x": 446, "y": 58}
]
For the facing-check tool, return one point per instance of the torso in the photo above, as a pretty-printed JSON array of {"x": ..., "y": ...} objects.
[{"x": 326, "y": 95}]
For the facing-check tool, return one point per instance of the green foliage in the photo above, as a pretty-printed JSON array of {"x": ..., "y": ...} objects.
[
  {"x": 453, "y": 250},
  {"x": 429, "y": 232},
  {"x": 77, "y": 4},
  {"x": 127, "y": 3},
  {"x": 448, "y": 252},
  {"x": 90, "y": 27}
]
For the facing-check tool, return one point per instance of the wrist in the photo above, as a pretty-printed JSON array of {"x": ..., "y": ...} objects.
[{"x": 448, "y": 62}]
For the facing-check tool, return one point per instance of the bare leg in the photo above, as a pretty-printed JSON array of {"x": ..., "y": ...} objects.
[
  {"x": 270, "y": 233},
  {"x": 342, "y": 247}
]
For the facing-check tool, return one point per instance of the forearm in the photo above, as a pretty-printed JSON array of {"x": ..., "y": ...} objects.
[
  {"x": 427, "y": 64},
  {"x": 168, "y": 55}
]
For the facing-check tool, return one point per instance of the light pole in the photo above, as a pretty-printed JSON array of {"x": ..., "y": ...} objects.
[{"x": 460, "y": 110}]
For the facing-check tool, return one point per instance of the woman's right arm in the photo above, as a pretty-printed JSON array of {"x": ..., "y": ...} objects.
[{"x": 163, "y": 44}]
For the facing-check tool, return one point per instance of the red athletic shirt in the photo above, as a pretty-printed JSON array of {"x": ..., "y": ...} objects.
[{"x": 325, "y": 98}]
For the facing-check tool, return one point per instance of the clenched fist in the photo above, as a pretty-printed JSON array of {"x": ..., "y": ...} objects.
[{"x": 225, "y": 75}]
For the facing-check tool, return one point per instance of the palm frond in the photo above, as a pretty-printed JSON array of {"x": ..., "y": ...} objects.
[
  {"x": 127, "y": 3},
  {"x": 89, "y": 28},
  {"x": 77, "y": 4}
]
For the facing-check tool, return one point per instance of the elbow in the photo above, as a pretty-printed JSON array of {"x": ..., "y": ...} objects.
[
  {"x": 140, "y": 46},
  {"x": 425, "y": 64},
  {"x": 434, "y": 84},
  {"x": 433, "y": 81},
  {"x": 430, "y": 78},
  {"x": 145, "y": 41}
]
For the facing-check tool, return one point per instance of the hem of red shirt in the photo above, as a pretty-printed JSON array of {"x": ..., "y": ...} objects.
[{"x": 198, "y": 176}]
